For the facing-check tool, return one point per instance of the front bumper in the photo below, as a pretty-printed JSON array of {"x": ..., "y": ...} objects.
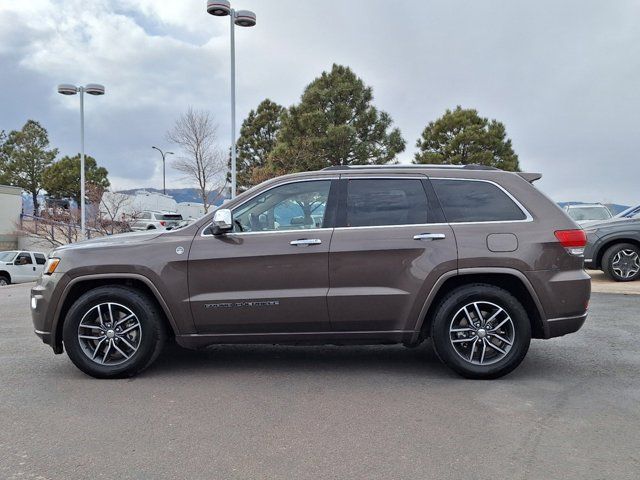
[{"x": 44, "y": 301}]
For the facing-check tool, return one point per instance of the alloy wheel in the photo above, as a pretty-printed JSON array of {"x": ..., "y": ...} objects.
[
  {"x": 109, "y": 334},
  {"x": 482, "y": 333},
  {"x": 626, "y": 263}
]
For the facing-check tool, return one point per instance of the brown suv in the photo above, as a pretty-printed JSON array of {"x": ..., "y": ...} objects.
[{"x": 475, "y": 258}]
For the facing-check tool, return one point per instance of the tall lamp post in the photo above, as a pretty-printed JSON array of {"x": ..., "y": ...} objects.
[
  {"x": 242, "y": 18},
  {"x": 164, "y": 183},
  {"x": 91, "y": 89}
]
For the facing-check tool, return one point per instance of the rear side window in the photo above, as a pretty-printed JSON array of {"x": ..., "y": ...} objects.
[
  {"x": 475, "y": 201},
  {"x": 378, "y": 202},
  {"x": 40, "y": 258}
]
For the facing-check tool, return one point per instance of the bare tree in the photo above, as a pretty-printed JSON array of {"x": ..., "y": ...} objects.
[
  {"x": 58, "y": 226},
  {"x": 195, "y": 132}
]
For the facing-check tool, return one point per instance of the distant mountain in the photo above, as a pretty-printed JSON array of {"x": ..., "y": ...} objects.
[{"x": 181, "y": 194}]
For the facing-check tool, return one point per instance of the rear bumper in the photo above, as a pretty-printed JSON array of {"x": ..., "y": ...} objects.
[{"x": 557, "y": 327}]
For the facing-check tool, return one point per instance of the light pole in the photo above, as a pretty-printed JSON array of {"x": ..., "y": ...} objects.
[
  {"x": 91, "y": 89},
  {"x": 242, "y": 18},
  {"x": 164, "y": 183}
]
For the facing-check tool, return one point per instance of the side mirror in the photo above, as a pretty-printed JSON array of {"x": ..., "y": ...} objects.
[{"x": 222, "y": 221}]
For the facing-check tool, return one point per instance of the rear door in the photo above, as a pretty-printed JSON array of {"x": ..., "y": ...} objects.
[
  {"x": 271, "y": 274},
  {"x": 389, "y": 247},
  {"x": 40, "y": 259}
]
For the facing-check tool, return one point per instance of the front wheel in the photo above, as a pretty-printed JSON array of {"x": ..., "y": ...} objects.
[
  {"x": 621, "y": 262},
  {"x": 113, "y": 332},
  {"x": 481, "y": 331},
  {"x": 4, "y": 281}
]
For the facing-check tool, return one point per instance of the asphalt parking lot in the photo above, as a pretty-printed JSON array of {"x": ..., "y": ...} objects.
[{"x": 571, "y": 410}]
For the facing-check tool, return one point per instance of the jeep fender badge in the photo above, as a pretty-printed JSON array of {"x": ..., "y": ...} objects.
[{"x": 179, "y": 250}]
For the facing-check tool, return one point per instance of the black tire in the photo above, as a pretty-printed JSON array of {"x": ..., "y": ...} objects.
[
  {"x": 447, "y": 312},
  {"x": 152, "y": 331},
  {"x": 4, "y": 280},
  {"x": 151, "y": 227},
  {"x": 630, "y": 253}
]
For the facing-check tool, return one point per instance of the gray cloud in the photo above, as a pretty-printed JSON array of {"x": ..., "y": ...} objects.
[{"x": 562, "y": 76}]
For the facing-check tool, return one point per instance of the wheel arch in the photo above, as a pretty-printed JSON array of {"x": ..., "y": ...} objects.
[
  {"x": 6, "y": 274},
  {"x": 610, "y": 242},
  {"x": 81, "y": 285},
  {"x": 510, "y": 280}
]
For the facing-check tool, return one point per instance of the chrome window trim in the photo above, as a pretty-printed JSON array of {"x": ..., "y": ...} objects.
[
  {"x": 299, "y": 180},
  {"x": 404, "y": 225},
  {"x": 528, "y": 216}
]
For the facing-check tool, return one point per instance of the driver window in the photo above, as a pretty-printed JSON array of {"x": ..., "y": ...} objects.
[
  {"x": 294, "y": 206},
  {"x": 23, "y": 259}
]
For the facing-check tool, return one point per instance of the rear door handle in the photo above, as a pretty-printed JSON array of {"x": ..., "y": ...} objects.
[
  {"x": 429, "y": 236},
  {"x": 305, "y": 242}
]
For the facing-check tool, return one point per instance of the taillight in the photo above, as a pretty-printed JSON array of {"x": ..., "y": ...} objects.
[
  {"x": 573, "y": 240},
  {"x": 163, "y": 223}
]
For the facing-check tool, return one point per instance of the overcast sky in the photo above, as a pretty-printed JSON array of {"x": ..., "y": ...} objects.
[{"x": 564, "y": 77}]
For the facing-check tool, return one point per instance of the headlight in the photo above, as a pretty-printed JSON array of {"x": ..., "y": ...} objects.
[{"x": 51, "y": 266}]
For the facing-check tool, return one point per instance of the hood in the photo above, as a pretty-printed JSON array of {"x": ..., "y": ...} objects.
[
  {"x": 613, "y": 222},
  {"x": 112, "y": 240}
]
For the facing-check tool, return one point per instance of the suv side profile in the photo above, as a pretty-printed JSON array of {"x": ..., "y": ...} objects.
[{"x": 476, "y": 259}]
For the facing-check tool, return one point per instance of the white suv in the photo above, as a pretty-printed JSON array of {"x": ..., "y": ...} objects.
[
  {"x": 20, "y": 267},
  {"x": 150, "y": 220}
]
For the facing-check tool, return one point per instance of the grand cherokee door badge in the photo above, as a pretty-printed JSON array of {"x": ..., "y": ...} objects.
[{"x": 264, "y": 303}]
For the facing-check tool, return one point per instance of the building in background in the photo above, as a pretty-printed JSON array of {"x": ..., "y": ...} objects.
[
  {"x": 10, "y": 210},
  {"x": 190, "y": 210}
]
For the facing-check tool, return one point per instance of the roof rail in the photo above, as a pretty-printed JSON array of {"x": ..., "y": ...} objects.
[{"x": 420, "y": 166}]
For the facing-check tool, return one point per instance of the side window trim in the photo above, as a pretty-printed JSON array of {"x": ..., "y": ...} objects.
[
  {"x": 326, "y": 225},
  {"x": 527, "y": 214}
]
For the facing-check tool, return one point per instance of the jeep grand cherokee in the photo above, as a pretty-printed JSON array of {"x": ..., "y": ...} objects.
[{"x": 477, "y": 259}]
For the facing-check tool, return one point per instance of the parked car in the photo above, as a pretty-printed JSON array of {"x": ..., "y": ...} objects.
[
  {"x": 613, "y": 246},
  {"x": 150, "y": 220},
  {"x": 631, "y": 212},
  {"x": 20, "y": 266},
  {"x": 476, "y": 259},
  {"x": 583, "y": 213}
]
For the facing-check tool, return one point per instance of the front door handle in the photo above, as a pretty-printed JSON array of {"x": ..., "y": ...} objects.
[
  {"x": 305, "y": 242},
  {"x": 429, "y": 236}
]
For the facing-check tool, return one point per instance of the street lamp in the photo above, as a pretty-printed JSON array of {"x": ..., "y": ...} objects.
[
  {"x": 164, "y": 184},
  {"x": 91, "y": 89},
  {"x": 242, "y": 18}
]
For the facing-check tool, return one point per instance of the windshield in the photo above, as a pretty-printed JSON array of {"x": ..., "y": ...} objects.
[
  {"x": 7, "y": 256},
  {"x": 589, "y": 213}
]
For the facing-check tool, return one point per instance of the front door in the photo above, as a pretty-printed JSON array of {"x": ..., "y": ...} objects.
[
  {"x": 271, "y": 274},
  {"x": 389, "y": 247},
  {"x": 24, "y": 268}
]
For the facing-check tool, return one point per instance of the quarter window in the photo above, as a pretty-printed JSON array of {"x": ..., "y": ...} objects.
[
  {"x": 293, "y": 206},
  {"x": 475, "y": 201},
  {"x": 378, "y": 202}
]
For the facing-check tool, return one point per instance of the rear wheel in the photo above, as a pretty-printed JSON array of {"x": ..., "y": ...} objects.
[
  {"x": 4, "y": 280},
  {"x": 113, "y": 332},
  {"x": 481, "y": 331},
  {"x": 621, "y": 262}
]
